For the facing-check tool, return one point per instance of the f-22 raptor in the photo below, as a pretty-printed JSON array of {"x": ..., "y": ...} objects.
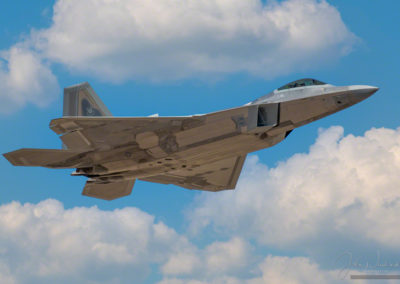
[{"x": 204, "y": 152}]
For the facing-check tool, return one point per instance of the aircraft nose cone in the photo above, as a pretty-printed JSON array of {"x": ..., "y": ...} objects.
[
  {"x": 364, "y": 90},
  {"x": 361, "y": 92},
  {"x": 370, "y": 89}
]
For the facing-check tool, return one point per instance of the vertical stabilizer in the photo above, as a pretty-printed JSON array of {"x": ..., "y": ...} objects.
[{"x": 81, "y": 100}]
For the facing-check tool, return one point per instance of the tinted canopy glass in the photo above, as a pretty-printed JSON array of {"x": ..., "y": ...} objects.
[{"x": 301, "y": 83}]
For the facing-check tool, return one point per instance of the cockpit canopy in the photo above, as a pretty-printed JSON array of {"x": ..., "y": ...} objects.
[{"x": 301, "y": 83}]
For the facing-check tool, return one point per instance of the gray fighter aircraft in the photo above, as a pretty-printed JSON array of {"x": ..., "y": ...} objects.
[{"x": 204, "y": 152}]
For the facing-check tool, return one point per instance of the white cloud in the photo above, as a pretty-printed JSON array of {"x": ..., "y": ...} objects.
[
  {"x": 45, "y": 243},
  {"x": 184, "y": 262},
  {"x": 5, "y": 275},
  {"x": 217, "y": 258},
  {"x": 286, "y": 270},
  {"x": 157, "y": 40},
  {"x": 220, "y": 280},
  {"x": 25, "y": 78},
  {"x": 119, "y": 40},
  {"x": 227, "y": 256},
  {"x": 283, "y": 270},
  {"x": 276, "y": 269},
  {"x": 345, "y": 188}
]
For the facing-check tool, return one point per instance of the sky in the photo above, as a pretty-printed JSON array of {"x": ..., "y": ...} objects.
[{"x": 319, "y": 206}]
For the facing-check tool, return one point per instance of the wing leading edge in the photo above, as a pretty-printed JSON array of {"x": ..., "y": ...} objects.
[
  {"x": 215, "y": 176},
  {"x": 92, "y": 132}
]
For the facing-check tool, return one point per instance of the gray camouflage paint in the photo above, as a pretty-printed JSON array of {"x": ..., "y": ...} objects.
[{"x": 204, "y": 152}]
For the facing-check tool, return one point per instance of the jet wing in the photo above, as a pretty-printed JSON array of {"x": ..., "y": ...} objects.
[
  {"x": 108, "y": 190},
  {"x": 92, "y": 132},
  {"x": 50, "y": 158},
  {"x": 215, "y": 176}
]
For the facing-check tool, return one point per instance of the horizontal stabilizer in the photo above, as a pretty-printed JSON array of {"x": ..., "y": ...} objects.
[
  {"x": 50, "y": 158},
  {"x": 108, "y": 190}
]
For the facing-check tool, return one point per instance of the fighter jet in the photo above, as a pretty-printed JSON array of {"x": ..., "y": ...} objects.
[{"x": 204, "y": 152}]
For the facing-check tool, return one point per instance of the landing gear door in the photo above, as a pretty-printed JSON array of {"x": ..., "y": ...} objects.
[{"x": 263, "y": 117}]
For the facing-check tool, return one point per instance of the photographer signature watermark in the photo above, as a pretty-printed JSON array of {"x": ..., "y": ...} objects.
[{"x": 362, "y": 268}]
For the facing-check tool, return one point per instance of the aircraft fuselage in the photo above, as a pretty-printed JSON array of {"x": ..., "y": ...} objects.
[{"x": 203, "y": 152}]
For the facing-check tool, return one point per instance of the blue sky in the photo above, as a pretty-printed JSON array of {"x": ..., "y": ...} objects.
[{"x": 189, "y": 65}]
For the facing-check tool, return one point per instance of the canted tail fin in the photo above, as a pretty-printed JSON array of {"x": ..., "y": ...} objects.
[{"x": 81, "y": 100}]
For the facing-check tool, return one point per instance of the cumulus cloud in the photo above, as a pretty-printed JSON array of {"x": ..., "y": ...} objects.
[
  {"x": 121, "y": 40},
  {"x": 345, "y": 188},
  {"x": 276, "y": 269},
  {"x": 25, "y": 78},
  {"x": 218, "y": 258},
  {"x": 5, "y": 275},
  {"x": 45, "y": 243},
  {"x": 162, "y": 40}
]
